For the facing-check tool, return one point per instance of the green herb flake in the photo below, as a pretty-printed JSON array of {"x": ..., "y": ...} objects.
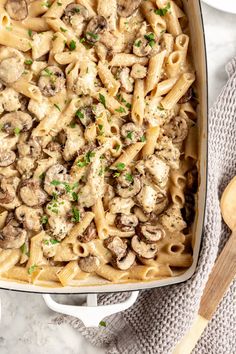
[
  {"x": 128, "y": 105},
  {"x": 75, "y": 197},
  {"x": 30, "y": 33},
  {"x": 76, "y": 215},
  {"x": 48, "y": 72},
  {"x": 42, "y": 176},
  {"x": 57, "y": 107},
  {"x": 24, "y": 248},
  {"x": 116, "y": 174},
  {"x": 63, "y": 29},
  {"x": 160, "y": 108},
  {"x": 117, "y": 147},
  {"x": 53, "y": 241},
  {"x": 102, "y": 324},
  {"x": 59, "y": 3},
  {"x": 17, "y": 131},
  {"x": 44, "y": 220},
  {"x": 138, "y": 43},
  {"x": 129, "y": 177},
  {"x": 72, "y": 45},
  {"x": 143, "y": 139},
  {"x": 55, "y": 182},
  {"x": 82, "y": 40},
  {"x": 92, "y": 35},
  {"x": 28, "y": 62},
  {"x": 163, "y": 11},
  {"x": 32, "y": 269},
  {"x": 102, "y": 100},
  {"x": 72, "y": 125},
  {"x": 130, "y": 135},
  {"x": 120, "y": 110},
  {"x": 79, "y": 114},
  {"x": 120, "y": 166},
  {"x": 150, "y": 38}
]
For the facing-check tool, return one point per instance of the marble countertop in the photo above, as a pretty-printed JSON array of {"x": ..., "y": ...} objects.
[{"x": 26, "y": 325}]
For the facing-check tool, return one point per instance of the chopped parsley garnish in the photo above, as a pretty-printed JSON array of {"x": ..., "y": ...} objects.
[
  {"x": 160, "y": 108},
  {"x": 117, "y": 147},
  {"x": 76, "y": 215},
  {"x": 48, "y": 72},
  {"x": 32, "y": 269},
  {"x": 130, "y": 135},
  {"x": 52, "y": 241},
  {"x": 28, "y": 62},
  {"x": 129, "y": 177},
  {"x": 121, "y": 99},
  {"x": 102, "y": 100},
  {"x": 120, "y": 110},
  {"x": 59, "y": 109},
  {"x": 63, "y": 29},
  {"x": 30, "y": 33},
  {"x": 79, "y": 114},
  {"x": 77, "y": 9},
  {"x": 150, "y": 38},
  {"x": 44, "y": 220},
  {"x": 24, "y": 249},
  {"x": 102, "y": 324},
  {"x": 72, "y": 125},
  {"x": 163, "y": 11},
  {"x": 138, "y": 43},
  {"x": 120, "y": 166},
  {"x": 17, "y": 131},
  {"x": 72, "y": 45},
  {"x": 143, "y": 138},
  {"x": 75, "y": 197},
  {"x": 92, "y": 35},
  {"x": 55, "y": 182},
  {"x": 86, "y": 159},
  {"x": 82, "y": 40}
]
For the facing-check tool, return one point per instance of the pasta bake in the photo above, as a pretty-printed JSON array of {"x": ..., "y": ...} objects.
[{"x": 98, "y": 141}]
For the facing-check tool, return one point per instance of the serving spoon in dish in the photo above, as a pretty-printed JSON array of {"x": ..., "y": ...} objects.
[{"x": 223, "y": 273}]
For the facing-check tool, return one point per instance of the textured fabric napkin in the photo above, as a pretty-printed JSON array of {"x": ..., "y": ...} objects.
[{"x": 160, "y": 317}]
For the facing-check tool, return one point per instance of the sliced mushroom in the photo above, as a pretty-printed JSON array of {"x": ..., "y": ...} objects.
[
  {"x": 127, "y": 82},
  {"x": 192, "y": 180},
  {"x": 7, "y": 157},
  {"x": 51, "y": 81},
  {"x": 176, "y": 129},
  {"x": 132, "y": 189},
  {"x": 142, "y": 47},
  {"x": 126, "y": 262},
  {"x": 30, "y": 148},
  {"x": 126, "y": 8},
  {"x": 142, "y": 249},
  {"x": 117, "y": 246},
  {"x": 89, "y": 264},
  {"x": 86, "y": 115},
  {"x": 17, "y": 9},
  {"x": 11, "y": 65},
  {"x": 12, "y": 236},
  {"x": 96, "y": 26},
  {"x": 55, "y": 179},
  {"x": 150, "y": 233},
  {"x": 7, "y": 191},
  {"x": 31, "y": 193},
  {"x": 29, "y": 217},
  {"x": 131, "y": 133},
  {"x": 16, "y": 122},
  {"x": 126, "y": 222},
  {"x": 121, "y": 205},
  {"x": 187, "y": 97},
  {"x": 89, "y": 234},
  {"x": 76, "y": 15}
]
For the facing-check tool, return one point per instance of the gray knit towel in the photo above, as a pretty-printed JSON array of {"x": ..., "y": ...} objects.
[{"x": 160, "y": 317}]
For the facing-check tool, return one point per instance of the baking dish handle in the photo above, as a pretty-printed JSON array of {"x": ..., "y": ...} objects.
[{"x": 90, "y": 314}]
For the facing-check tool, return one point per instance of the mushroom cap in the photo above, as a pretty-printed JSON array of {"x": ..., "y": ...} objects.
[
  {"x": 142, "y": 249},
  {"x": 150, "y": 233},
  {"x": 126, "y": 8},
  {"x": 89, "y": 234},
  {"x": 51, "y": 80},
  {"x": 126, "y": 262},
  {"x": 11, "y": 65},
  {"x": 16, "y": 120},
  {"x": 77, "y": 10},
  {"x": 7, "y": 191},
  {"x": 17, "y": 9},
  {"x": 130, "y": 191},
  {"x": 117, "y": 246},
  {"x": 55, "y": 179},
  {"x": 126, "y": 222},
  {"x": 7, "y": 157},
  {"x": 12, "y": 236},
  {"x": 29, "y": 217},
  {"x": 96, "y": 26},
  {"x": 176, "y": 129},
  {"x": 141, "y": 47},
  {"x": 187, "y": 96},
  {"x": 31, "y": 193},
  {"x": 89, "y": 264}
]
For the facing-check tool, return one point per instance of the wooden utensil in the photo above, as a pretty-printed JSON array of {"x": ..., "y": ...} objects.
[{"x": 223, "y": 272}]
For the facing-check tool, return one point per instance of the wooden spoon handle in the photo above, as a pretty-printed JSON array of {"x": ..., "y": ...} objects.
[{"x": 222, "y": 274}]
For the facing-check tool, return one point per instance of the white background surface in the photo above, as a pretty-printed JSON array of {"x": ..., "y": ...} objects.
[{"x": 26, "y": 325}]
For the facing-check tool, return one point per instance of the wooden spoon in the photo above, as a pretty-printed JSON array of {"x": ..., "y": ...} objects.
[{"x": 223, "y": 272}]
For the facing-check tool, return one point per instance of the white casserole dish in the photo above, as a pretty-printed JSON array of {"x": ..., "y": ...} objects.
[{"x": 193, "y": 10}]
